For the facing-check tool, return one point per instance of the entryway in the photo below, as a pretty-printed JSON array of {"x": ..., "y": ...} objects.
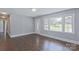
[{"x": 4, "y": 24}]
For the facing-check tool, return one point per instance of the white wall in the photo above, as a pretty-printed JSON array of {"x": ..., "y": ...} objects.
[
  {"x": 70, "y": 36},
  {"x": 21, "y": 25}
]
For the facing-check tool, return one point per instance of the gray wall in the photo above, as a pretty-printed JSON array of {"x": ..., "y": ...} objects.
[
  {"x": 21, "y": 25},
  {"x": 70, "y": 36},
  {"x": 1, "y": 26},
  {"x": 77, "y": 24},
  {"x": 24, "y": 25}
]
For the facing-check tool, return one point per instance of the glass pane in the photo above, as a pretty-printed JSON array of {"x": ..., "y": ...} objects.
[
  {"x": 45, "y": 24},
  {"x": 45, "y": 27},
  {"x": 68, "y": 28},
  {"x": 56, "y": 24},
  {"x": 68, "y": 24}
]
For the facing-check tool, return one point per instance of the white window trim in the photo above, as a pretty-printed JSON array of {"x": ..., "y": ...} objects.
[
  {"x": 63, "y": 23},
  {"x": 72, "y": 23}
]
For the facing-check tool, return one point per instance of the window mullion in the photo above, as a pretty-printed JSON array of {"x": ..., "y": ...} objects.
[
  {"x": 73, "y": 23},
  {"x": 49, "y": 24}
]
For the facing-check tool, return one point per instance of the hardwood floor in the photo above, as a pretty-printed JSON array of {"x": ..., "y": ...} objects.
[
  {"x": 6, "y": 44},
  {"x": 35, "y": 42}
]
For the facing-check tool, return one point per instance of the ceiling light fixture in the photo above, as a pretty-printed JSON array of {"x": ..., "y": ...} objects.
[
  {"x": 3, "y": 13},
  {"x": 3, "y": 17},
  {"x": 34, "y": 10}
]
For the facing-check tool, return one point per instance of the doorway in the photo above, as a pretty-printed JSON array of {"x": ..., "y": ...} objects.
[{"x": 4, "y": 25}]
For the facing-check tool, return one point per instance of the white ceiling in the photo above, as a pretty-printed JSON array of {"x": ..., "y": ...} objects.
[{"x": 30, "y": 13}]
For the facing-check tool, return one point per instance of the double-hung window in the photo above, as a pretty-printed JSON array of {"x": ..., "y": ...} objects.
[
  {"x": 60, "y": 24},
  {"x": 68, "y": 24},
  {"x": 55, "y": 24}
]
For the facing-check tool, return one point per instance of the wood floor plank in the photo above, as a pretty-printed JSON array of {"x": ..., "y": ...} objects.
[{"x": 35, "y": 42}]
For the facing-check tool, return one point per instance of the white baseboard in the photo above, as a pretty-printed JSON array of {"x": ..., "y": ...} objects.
[
  {"x": 58, "y": 38},
  {"x": 62, "y": 39},
  {"x": 21, "y": 34}
]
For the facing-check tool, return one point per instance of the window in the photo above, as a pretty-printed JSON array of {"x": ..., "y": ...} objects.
[
  {"x": 59, "y": 24},
  {"x": 55, "y": 24},
  {"x": 68, "y": 24}
]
